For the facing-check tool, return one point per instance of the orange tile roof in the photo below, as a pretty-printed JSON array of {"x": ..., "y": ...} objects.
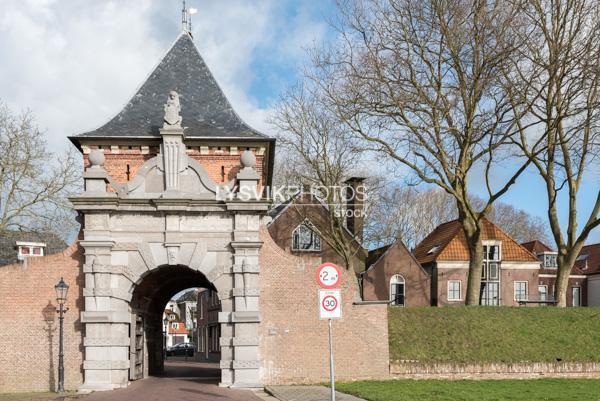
[
  {"x": 448, "y": 243},
  {"x": 179, "y": 330}
]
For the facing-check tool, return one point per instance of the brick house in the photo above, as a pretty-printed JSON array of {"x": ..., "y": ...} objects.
[
  {"x": 394, "y": 274},
  {"x": 295, "y": 226},
  {"x": 589, "y": 263},
  {"x": 577, "y": 287},
  {"x": 510, "y": 272},
  {"x": 208, "y": 330}
]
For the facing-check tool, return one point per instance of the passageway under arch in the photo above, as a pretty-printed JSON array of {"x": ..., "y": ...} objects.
[{"x": 148, "y": 302}]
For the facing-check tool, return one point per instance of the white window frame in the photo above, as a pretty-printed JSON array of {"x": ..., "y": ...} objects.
[
  {"x": 573, "y": 297},
  {"x": 546, "y": 293},
  {"x": 397, "y": 279},
  {"x": 526, "y": 290},
  {"x": 487, "y": 243},
  {"x": 31, "y": 246},
  {"x": 546, "y": 254},
  {"x": 317, "y": 246},
  {"x": 459, "y": 290}
]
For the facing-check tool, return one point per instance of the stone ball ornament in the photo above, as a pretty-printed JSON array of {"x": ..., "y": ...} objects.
[
  {"x": 248, "y": 159},
  {"x": 96, "y": 158}
]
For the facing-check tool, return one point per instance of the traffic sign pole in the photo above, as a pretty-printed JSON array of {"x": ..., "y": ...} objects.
[
  {"x": 331, "y": 373},
  {"x": 329, "y": 277}
]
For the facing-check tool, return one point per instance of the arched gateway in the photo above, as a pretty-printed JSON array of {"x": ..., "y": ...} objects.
[{"x": 172, "y": 200}]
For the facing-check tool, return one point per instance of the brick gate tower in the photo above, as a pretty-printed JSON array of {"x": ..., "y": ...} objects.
[{"x": 172, "y": 200}]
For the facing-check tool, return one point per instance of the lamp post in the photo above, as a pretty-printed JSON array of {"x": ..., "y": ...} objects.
[
  {"x": 165, "y": 323},
  {"x": 61, "y": 297}
]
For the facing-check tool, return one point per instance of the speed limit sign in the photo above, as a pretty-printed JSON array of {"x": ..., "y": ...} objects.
[
  {"x": 329, "y": 275},
  {"x": 330, "y": 304}
]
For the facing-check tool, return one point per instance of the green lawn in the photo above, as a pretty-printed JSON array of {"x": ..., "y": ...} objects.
[
  {"x": 494, "y": 334},
  {"x": 485, "y": 390}
]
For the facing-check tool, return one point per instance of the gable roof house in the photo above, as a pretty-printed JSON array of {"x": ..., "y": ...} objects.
[
  {"x": 297, "y": 226},
  {"x": 395, "y": 275},
  {"x": 510, "y": 271},
  {"x": 577, "y": 291}
]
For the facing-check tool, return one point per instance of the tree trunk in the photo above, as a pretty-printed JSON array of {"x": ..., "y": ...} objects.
[
  {"x": 473, "y": 235},
  {"x": 565, "y": 265}
]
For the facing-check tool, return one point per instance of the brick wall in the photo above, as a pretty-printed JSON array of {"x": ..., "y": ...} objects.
[
  {"x": 397, "y": 260},
  {"x": 29, "y": 356},
  {"x": 294, "y": 343},
  {"x": 220, "y": 164}
]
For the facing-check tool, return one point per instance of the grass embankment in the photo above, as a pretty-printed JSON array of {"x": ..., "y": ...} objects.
[
  {"x": 485, "y": 390},
  {"x": 494, "y": 334}
]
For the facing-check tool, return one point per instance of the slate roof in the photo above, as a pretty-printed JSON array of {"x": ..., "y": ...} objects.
[
  {"x": 189, "y": 296},
  {"x": 8, "y": 244},
  {"x": 588, "y": 261},
  {"x": 205, "y": 111},
  {"x": 448, "y": 243},
  {"x": 536, "y": 247}
]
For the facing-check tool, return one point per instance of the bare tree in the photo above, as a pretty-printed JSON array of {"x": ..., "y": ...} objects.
[
  {"x": 520, "y": 225},
  {"x": 421, "y": 82},
  {"x": 406, "y": 214},
  {"x": 410, "y": 214},
  {"x": 319, "y": 152},
  {"x": 34, "y": 182},
  {"x": 558, "y": 72}
]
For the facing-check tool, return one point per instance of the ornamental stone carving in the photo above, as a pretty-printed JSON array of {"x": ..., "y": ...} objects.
[{"x": 172, "y": 117}]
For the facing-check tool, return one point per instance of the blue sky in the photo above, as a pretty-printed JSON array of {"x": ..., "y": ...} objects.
[{"x": 76, "y": 63}]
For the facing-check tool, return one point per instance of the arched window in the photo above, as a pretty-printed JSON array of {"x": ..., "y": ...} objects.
[
  {"x": 397, "y": 288},
  {"x": 305, "y": 239}
]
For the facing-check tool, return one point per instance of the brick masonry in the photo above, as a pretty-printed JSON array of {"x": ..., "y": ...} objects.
[
  {"x": 294, "y": 342},
  {"x": 29, "y": 344},
  {"x": 220, "y": 163}
]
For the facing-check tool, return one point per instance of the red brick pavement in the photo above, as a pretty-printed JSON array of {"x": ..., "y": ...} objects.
[{"x": 183, "y": 381}]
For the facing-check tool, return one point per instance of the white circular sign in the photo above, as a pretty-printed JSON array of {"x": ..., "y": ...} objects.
[{"x": 329, "y": 275}]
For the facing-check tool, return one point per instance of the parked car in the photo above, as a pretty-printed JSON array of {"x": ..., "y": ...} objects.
[{"x": 181, "y": 349}]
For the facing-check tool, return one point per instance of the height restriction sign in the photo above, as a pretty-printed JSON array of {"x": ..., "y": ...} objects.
[
  {"x": 329, "y": 275},
  {"x": 330, "y": 304}
]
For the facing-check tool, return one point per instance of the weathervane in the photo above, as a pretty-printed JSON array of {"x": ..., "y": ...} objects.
[{"x": 186, "y": 18}]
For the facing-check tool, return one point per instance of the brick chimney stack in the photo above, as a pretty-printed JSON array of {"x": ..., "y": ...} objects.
[{"x": 355, "y": 198}]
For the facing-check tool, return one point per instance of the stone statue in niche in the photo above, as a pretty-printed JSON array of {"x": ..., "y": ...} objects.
[{"x": 172, "y": 111}]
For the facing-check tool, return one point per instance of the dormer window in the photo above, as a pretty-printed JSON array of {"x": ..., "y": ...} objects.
[
  {"x": 491, "y": 252},
  {"x": 305, "y": 239},
  {"x": 550, "y": 260},
  {"x": 28, "y": 249}
]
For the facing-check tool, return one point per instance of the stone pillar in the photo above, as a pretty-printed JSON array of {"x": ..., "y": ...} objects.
[
  {"x": 242, "y": 323},
  {"x": 174, "y": 158},
  {"x": 106, "y": 314}
]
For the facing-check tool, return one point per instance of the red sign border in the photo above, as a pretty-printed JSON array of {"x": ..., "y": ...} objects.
[
  {"x": 337, "y": 303},
  {"x": 334, "y": 285}
]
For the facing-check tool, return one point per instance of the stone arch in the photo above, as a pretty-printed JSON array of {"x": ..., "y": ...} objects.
[
  {"x": 149, "y": 297},
  {"x": 128, "y": 237}
]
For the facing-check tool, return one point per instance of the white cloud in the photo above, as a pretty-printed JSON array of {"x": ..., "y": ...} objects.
[{"x": 75, "y": 64}]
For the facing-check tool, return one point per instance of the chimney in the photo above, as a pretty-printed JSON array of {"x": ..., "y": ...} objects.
[{"x": 355, "y": 198}]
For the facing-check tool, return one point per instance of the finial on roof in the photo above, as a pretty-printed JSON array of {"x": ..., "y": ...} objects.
[{"x": 184, "y": 18}]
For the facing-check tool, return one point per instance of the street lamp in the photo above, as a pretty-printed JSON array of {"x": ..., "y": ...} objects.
[
  {"x": 165, "y": 325},
  {"x": 61, "y": 297}
]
